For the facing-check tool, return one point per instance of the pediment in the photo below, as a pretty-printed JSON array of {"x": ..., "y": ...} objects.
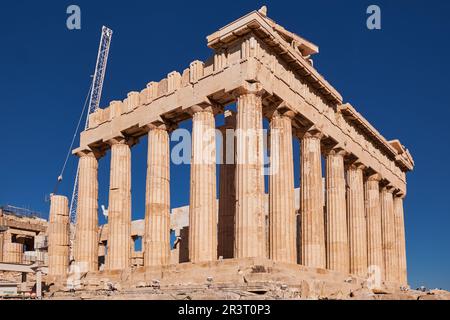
[{"x": 293, "y": 49}]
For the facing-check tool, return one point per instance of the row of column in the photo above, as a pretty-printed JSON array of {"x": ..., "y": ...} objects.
[
  {"x": 364, "y": 230},
  {"x": 361, "y": 228},
  {"x": 157, "y": 219},
  {"x": 357, "y": 235},
  {"x": 364, "y": 224}
]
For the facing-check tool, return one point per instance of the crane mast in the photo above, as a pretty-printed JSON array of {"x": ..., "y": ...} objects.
[{"x": 94, "y": 104}]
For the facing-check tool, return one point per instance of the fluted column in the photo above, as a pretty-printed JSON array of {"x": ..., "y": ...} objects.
[
  {"x": 311, "y": 202},
  {"x": 58, "y": 236},
  {"x": 373, "y": 213},
  {"x": 119, "y": 211},
  {"x": 250, "y": 226},
  {"x": 282, "y": 216},
  {"x": 203, "y": 208},
  {"x": 227, "y": 189},
  {"x": 86, "y": 235},
  {"x": 388, "y": 235},
  {"x": 400, "y": 239},
  {"x": 357, "y": 226},
  {"x": 157, "y": 200},
  {"x": 337, "y": 235}
]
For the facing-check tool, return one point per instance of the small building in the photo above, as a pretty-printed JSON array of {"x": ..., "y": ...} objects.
[{"x": 23, "y": 236}]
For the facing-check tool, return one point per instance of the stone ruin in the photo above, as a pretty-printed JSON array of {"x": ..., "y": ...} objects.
[{"x": 343, "y": 238}]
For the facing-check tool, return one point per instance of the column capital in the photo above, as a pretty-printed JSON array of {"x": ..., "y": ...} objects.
[
  {"x": 254, "y": 88},
  {"x": 399, "y": 194},
  {"x": 122, "y": 140},
  {"x": 337, "y": 150},
  {"x": 206, "y": 106},
  {"x": 91, "y": 152},
  {"x": 356, "y": 165},
  {"x": 201, "y": 108},
  {"x": 388, "y": 188},
  {"x": 311, "y": 132},
  {"x": 162, "y": 125},
  {"x": 84, "y": 153},
  {"x": 282, "y": 109},
  {"x": 374, "y": 177}
]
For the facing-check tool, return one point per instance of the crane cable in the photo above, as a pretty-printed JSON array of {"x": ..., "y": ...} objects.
[{"x": 69, "y": 153}]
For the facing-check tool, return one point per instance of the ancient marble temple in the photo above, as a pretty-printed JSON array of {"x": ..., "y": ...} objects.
[{"x": 352, "y": 224}]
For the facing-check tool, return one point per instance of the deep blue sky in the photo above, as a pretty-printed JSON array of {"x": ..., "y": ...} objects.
[{"x": 398, "y": 78}]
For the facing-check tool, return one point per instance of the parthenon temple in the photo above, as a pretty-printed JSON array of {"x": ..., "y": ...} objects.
[{"x": 347, "y": 217}]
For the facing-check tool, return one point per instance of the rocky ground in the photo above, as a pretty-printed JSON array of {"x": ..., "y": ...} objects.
[
  {"x": 305, "y": 291},
  {"x": 239, "y": 279}
]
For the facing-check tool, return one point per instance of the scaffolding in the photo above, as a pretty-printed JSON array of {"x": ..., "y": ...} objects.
[{"x": 20, "y": 212}]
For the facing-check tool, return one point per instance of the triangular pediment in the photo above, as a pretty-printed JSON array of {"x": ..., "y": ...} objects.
[
  {"x": 238, "y": 28},
  {"x": 293, "y": 49}
]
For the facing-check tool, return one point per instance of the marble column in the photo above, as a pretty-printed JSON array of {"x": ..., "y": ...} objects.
[
  {"x": 373, "y": 213},
  {"x": 86, "y": 234},
  {"x": 400, "y": 239},
  {"x": 282, "y": 215},
  {"x": 337, "y": 235},
  {"x": 203, "y": 204},
  {"x": 250, "y": 225},
  {"x": 227, "y": 189},
  {"x": 119, "y": 211},
  {"x": 388, "y": 235},
  {"x": 311, "y": 202},
  {"x": 58, "y": 236},
  {"x": 357, "y": 226},
  {"x": 157, "y": 200}
]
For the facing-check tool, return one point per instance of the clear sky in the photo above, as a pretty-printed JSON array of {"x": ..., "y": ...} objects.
[{"x": 397, "y": 77}]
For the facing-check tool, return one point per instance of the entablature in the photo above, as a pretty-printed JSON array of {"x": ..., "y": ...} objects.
[{"x": 249, "y": 59}]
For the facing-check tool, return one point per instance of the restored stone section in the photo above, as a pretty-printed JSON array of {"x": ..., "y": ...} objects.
[
  {"x": 203, "y": 209},
  {"x": 311, "y": 202},
  {"x": 374, "y": 239},
  {"x": 119, "y": 212},
  {"x": 400, "y": 239},
  {"x": 157, "y": 200},
  {"x": 13, "y": 252},
  {"x": 86, "y": 237},
  {"x": 337, "y": 235},
  {"x": 250, "y": 230},
  {"x": 227, "y": 189},
  {"x": 357, "y": 226},
  {"x": 58, "y": 236},
  {"x": 388, "y": 235},
  {"x": 282, "y": 216}
]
